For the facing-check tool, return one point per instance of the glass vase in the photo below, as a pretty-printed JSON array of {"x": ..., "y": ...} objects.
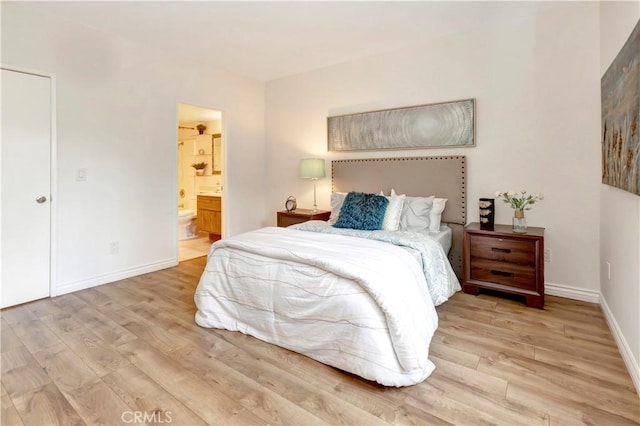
[{"x": 519, "y": 222}]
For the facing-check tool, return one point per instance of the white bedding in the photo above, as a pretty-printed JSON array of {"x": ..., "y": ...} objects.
[
  {"x": 443, "y": 237},
  {"x": 361, "y": 305},
  {"x": 431, "y": 257}
]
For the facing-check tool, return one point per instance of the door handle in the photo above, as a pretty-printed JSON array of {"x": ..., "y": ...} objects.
[{"x": 41, "y": 199}]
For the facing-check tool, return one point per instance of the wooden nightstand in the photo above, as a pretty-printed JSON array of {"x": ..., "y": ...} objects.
[
  {"x": 502, "y": 260},
  {"x": 286, "y": 218}
]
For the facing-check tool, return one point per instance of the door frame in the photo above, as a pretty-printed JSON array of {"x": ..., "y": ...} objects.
[{"x": 53, "y": 178}]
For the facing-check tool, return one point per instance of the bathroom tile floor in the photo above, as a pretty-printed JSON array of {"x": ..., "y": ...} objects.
[{"x": 190, "y": 249}]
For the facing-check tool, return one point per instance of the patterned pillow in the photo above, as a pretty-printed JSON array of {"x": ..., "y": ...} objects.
[{"x": 362, "y": 211}]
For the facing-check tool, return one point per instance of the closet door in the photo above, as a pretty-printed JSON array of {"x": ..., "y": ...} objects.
[{"x": 25, "y": 248}]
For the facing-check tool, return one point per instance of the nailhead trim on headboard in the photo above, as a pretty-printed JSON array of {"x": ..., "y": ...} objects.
[{"x": 461, "y": 158}]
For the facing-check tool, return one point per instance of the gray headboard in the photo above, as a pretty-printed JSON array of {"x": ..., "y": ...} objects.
[{"x": 444, "y": 177}]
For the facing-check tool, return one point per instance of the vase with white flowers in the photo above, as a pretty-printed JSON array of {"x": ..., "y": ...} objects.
[{"x": 519, "y": 202}]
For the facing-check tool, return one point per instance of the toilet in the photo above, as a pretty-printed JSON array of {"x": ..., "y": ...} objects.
[{"x": 187, "y": 225}]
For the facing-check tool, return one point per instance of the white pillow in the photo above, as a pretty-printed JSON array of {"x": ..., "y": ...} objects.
[
  {"x": 393, "y": 213},
  {"x": 337, "y": 199},
  {"x": 435, "y": 216},
  {"x": 415, "y": 213},
  {"x": 413, "y": 219}
]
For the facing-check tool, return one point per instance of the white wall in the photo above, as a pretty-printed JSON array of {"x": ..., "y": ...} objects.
[
  {"x": 117, "y": 117},
  {"x": 537, "y": 88},
  {"x": 620, "y": 214}
]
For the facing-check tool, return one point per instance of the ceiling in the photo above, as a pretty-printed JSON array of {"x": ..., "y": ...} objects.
[{"x": 269, "y": 40}]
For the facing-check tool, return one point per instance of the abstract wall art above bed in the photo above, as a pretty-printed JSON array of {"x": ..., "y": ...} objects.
[
  {"x": 620, "y": 87},
  {"x": 447, "y": 124}
]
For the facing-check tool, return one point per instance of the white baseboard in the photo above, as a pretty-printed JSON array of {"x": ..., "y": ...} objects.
[
  {"x": 630, "y": 362},
  {"x": 591, "y": 296},
  {"x": 115, "y": 276}
]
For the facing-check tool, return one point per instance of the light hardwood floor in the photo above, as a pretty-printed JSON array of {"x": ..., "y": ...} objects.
[
  {"x": 190, "y": 249},
  {"x": 108, "y": 354}
]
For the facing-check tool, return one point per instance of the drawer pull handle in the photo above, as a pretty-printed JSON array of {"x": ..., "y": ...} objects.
[
  {"x": 501, "y": 273},
  {"x": 502, "y": 250}
]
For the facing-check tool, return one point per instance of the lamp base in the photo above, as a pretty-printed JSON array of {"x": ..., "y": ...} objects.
[{"x": 315, "y": 206}]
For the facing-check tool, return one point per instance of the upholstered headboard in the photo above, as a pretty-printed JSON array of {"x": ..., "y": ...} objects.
[{"x": 444, "y": 177}]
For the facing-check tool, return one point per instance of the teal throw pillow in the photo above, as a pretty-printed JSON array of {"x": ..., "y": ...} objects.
[{"x": 362, "y": 211}]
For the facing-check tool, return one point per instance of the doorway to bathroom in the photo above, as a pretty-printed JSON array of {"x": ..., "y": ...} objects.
[{"x": 200, "y": 168}]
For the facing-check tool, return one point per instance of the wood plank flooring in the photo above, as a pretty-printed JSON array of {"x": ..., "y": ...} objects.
[{"x": 131, "y": 353}]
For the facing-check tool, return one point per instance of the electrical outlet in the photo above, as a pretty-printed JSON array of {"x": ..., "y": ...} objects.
[
  {"x": 547, "y": 255},
  {"x": 114, "y": 247}
]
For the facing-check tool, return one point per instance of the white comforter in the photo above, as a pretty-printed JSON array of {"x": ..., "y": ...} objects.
[{"x": 360, "y": 305}]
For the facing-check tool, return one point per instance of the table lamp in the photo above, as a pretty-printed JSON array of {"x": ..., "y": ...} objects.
[{"x": 312, "y": 168}]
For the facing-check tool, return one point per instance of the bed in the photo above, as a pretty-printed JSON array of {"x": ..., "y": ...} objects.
[{"x": 359, "y": 300}]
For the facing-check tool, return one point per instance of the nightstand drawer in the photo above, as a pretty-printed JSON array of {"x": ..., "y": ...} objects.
[
  {"x": 301, "y": 215},
  {"x": 510, "y": 274},
  {"x": 284, "y": 220},
  {"x": 509, "y": 250}
]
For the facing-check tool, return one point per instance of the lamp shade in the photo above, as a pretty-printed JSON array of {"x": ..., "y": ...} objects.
[{"x": 312, "y": 168}]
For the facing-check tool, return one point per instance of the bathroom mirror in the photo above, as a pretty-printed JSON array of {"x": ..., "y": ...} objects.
[{"x": 216, "y": 154}]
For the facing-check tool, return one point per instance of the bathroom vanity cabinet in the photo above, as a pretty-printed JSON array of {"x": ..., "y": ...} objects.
[{"x": 210, "y": 216}]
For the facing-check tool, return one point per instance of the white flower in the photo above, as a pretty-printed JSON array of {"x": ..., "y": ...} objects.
[{"x": 519, "y": 201}]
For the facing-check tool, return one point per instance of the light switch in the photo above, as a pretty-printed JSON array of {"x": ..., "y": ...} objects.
[{"x": 81, "y": 175}]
